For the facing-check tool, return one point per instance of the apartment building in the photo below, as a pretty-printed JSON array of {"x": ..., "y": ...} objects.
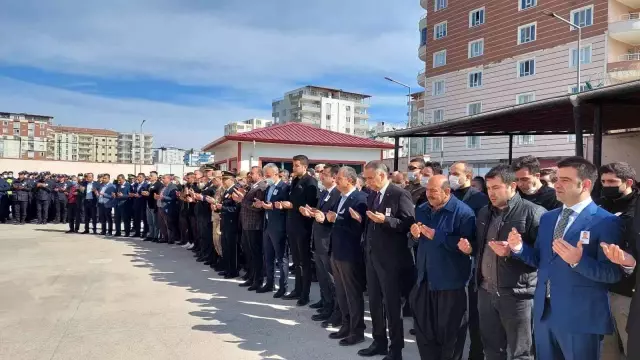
[
  {"x": 25, "y": 136},
  {"x": 135, "y": 148},
  {"x": 84, "y": 144},
  {"x": 238, "y": 127},
  {"x": 197, "y": 158},
  {"x": 485, "y": 55},
  {"x": 381, "y": 127},
  {"x": 325, "y": 108},
  {"x": 168, "y": 155}
]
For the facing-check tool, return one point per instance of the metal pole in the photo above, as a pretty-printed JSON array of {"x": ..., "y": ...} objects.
[
  {"x": 579, "y": 60},
  {"x": 396, "y": 153},
  {"x": 510, "y": 148},
  {"x": 410, "y": 103},
  {"x": 597, "y": 136},
  {"x": 578, "y": 129}
]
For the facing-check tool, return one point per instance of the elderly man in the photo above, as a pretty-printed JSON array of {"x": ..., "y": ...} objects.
[{"x": 439, "y": 298}]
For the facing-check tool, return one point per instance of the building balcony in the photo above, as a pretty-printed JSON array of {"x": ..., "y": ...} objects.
[
  {"x": 361, "y": 116},
  {"x": 310, "y": 97},
  {"x": 305, "y": 107},
  {"x": 627, "y": 68},
  {"x": 631, "y": 3},
  {"x": 423, "y": 22},
  {"x": 424, "y": 4},
  {"x": 422, "y": 77},
  {"x": 626, "y": 28},
  {"x": 422, "y": 52}
]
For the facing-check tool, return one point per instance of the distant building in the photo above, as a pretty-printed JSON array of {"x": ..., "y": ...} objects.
[
  {"x": 135, "y": 148},
  {"x": 238, "y": 127},
  {"x": 324, "y": 108},
  {"x": 84, "y": 144},
  {"x": 389, "y": 153},
  {"x": 26, "y": 136},
  {"x": 197, "y": 158},
  {"x": 169, "y": 156}
]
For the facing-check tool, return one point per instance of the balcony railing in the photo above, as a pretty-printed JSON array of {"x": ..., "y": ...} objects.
[
  {"x": 629, "y": 57},
  {"x": 629, "y": 16}
]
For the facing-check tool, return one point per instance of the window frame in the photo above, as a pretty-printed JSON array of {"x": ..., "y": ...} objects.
[
  {"x": 433, "y": 87},
  {"x": 470, "y": 45},
  {"x": 535, "y": 32},
  {"x": 520, "y": 8},
  {"x": 484, "y": 17},
  {"x": 571, "y": 64},
  {"x": 474, "y": 103},
  {"x": 444, "y": 6},
  {"x": 532, "y": 93},
  {"x": 525, "y": 60},
  {"x": 435, "y": 54},
  {"x": 435, "y": 30},
  {"x": 519, "y": 140},
  {"x": 467, "y": 145},
  {"x": 433, "y": 116},
  {"x": 480, "y": 82},
  {"x": 572, "y": 12}
]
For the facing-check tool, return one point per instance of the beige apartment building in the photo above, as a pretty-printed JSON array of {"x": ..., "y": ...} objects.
[
  {"x": 25, "y": 136},
  {"x": 485, "y": 55},
  {"x": 238, "y": 127},
  {"x": 84, "y": 144}
]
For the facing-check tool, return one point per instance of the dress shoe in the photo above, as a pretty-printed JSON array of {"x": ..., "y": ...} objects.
[
  {"x": 135, "y": 235},
  {"x": 222, "y": 273},
  {"x": 351, "y": 340},
  {"x": 253, "y": 287},
  {"x": 201, "y": 259},
  {"x": 303, "y": 301},
  {"x": 294, "y": 295},
  {"x": 373, "y": 350},
  {"x": 246, "y": 283},
  {"x": 265, "y": 289},
  {"x": 68, "y": 232},
  {"x": 161, "y": 241},
  {"x": 340, "y": 334},
  {"x": 103, "y": 233},
  {"x": 318, "y": 305},
  {"x": 85, "y": 232},
  {"x": 279, "y": 293},
  {"x": 321, "y": 317},
  {"x": 208, "y": 263},
  {"x": 334, "y": 323},
  {"x": 231, "y": 276},
  {"x": 406, "y": 310},
  {"x": 245, "y": 277},
  {"x": 393, "y": 355},
  {"x": 117, "y": 235}
]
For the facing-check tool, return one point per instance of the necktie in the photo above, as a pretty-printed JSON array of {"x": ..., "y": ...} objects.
[
  {"x": 376, "y": 200},
  {"x": 558, "y": 233}
]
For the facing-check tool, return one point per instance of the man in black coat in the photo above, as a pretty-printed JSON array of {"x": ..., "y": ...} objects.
[
  {"x": 229, "y": 225},
  {"x": 21, "y": 194},
  {"x": 89, "y": 192},
  {"x": 43, "y": 199},
  {"x": 527, "y": 169},
  {"x": 391, "y": 213},
  {"x": 60, "y": 199}
]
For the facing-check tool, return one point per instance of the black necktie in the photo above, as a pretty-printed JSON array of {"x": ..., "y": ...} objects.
[{"x": 376, "y": 201}]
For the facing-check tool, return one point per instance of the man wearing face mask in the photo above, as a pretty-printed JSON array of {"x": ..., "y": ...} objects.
[
  {"x": 527, "y": 169},
  {"x": 4, "y": 198},
  {"x": 619, "y": 197},
  {"x": 416, "y": 183}
]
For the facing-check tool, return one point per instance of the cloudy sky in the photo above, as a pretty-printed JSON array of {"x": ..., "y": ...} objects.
[{"x": 191, "y": 66}]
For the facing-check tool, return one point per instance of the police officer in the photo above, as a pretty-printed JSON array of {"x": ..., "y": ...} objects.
[
  {"x": 42, "y": 194},
  {"x": 21, "y": 193},
  {"x": 60, "y": 199},
  {"x": 207, "y": 254},
  {"x": 229, "y": 225},
  {"x": 31, "y": 206},
  {"x": 4, "y": 197},
  {"x": 9, "y": 205}
]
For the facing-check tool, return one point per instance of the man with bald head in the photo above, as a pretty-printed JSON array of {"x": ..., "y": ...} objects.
[{"x": 444, "y": 228}]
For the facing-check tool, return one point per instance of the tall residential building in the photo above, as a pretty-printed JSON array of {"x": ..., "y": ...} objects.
[
  {"x": 418, "y": 145},
  {"x": 25, "y": 136},
  {"x": 135, "y": 148},
  {"x": 325, "y": 108},
  {"x": 484, "y": 55},
  {"x": 381, "y": 127},
  {"x": 84, "y": 144},
  {"x": 168, "y": 155},
  {"x": 197, "y": 158},
  {"x": 238, "y": 127}
]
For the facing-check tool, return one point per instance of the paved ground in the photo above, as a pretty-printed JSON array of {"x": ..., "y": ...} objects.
[{"x": 86, "y": 297}]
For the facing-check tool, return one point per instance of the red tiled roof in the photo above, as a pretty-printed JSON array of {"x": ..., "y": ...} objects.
[{"x": 301, "y": 134}]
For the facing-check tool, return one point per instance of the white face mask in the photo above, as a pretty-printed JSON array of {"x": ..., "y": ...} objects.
[
  {"x": 411, "y": 176},
  {"x": 454, "y": 182},
  {"x": 424, "y": 181}
]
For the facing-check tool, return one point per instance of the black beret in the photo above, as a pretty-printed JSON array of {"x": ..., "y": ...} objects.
[{"x": 228, "y": 173}]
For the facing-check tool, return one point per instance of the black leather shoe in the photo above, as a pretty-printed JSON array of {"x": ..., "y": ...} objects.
[
  {"x": 340, "y": 334},
  {"x": 294, "y": 295},
  {"x": 161, "y": 241},
  {"x": 253, "y": 287},
  {"x": 117, "y": 235},
  {"x": 373, "y": 350},
  {"x": 406, "y": 310},
  {"x": 321, "y": 317},
  {"x": 85, "y": 232},
  {"x": 334, "y": 323},
  {"x": 351, "y": 340},
  {"x": 208, "y": 263},
  {"x": 265, "y": 289},
  {"x": 303, "y": 302},
  {"x": 201, "y": 259},
  {"x": 318, "y": 305},
  {"x": 231, "y": 276},
  {"x": 412, "y": 332},
  {"x": 222, "y": 273},
  {"x": 246, "y": 283},
  {"x": 148, "y": 239},
  {"x": 393, "y": 355},
  {"x": 279, "y": 293}
]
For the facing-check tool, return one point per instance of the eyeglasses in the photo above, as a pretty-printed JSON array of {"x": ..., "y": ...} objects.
[{"x": 413, "y": 168}]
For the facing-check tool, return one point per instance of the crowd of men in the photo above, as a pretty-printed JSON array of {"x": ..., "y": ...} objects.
[{"x": 491, "y": 258}]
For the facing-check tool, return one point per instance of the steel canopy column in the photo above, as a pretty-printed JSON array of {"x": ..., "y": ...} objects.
[
  {"x": 510, "y": 148},
  {"x": 597, "y": 136},
  {"x": 396, "y": 153},
  {"x": 577, "y": 126}
]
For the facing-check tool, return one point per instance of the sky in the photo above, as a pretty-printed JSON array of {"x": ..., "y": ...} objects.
[{"x": 188, "y": 67}]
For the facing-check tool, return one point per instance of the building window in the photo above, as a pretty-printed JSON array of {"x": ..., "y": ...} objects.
[
  {"x": 526, "y": 33},
  {"x": 525, "y": 139},
  {"x": 526, "y": 4},
  {"x": 438, "y": 116},
  {"x": 526, "y": 67},
  {"x": 440, "y": 4},
  {"x": 582, "y": 17},
  {"x": 328, "y": 117},
  {"x": 574, "y": 89},
  {"x": 525, "y": 98},
  {"x": 476, "y": 48},
  {"x": 16, "y": 131},
  {"x": 440, "y": 58},
  {"x": 423, "y": 37},
  {"x": 473, "y": 142},
  {"x": 474, "y": 108},
  {"x": 585, "y": 56},
  {"x": 347, "y": 108},
  {"x": 440, "y": 30},
  {"x": 438, "y": 88},
  {"x": 476, "y": 17},
  {"x": 475, "y": 79},
  {"x": 436, "y": 144},
  {"x": 571, "y": 138}
]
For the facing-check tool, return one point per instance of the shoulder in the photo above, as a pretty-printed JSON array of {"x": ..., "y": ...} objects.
[{"x": 552, "y": 214}]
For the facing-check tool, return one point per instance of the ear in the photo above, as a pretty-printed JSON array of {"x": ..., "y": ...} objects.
[{"x": 629, "y": 182}]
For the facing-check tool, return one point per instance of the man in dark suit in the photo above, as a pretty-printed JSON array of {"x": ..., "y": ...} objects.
[
  {"x": 122, "y": 206},
  {"x": 21, "y": 194},
  {"x": 139, "y": 207},
  {"x": 229, "y": 225},
  {"x": 321, "y": 233},
  {"x": 303, "y": 192},
  {"x": 571, "y": 304},
  {"x": 60, "y": 200},
  {"x": 390, "y": 215},
  {"x": 275, "y": 230},
  {"x": 207, "y": 188},
  {"x": 347, "y": 217},
  {"x": 89, "y": 192},
  {"x": 152, "y": 206},
  {"x": 167, "y": 209},
  {"x": 43, "y": 199},
  {"x": 106, "y": 202},
  {"x": 252, "y": 220}
]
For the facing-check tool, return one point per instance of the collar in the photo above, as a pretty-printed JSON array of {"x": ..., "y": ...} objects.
[
  {"x": 579, "y": 207},
  {"x": 346, "y": 196},
  {"x": 449, "y": 206},
  {"x": 329, "y": 190},
  {"x": 384, "y": 190}
]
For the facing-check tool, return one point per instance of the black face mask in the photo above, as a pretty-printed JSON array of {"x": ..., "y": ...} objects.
[{"x": 611, "y": 192}]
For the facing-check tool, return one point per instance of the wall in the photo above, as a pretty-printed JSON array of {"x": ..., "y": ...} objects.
[{"x": 619, "y": 147}]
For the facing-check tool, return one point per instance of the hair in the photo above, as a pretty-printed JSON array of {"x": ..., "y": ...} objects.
[
  {"x": 349, "y": 173},
  {"x": 586, "y": 170},
  {"x": 528, "y": 162},
  {"x": 258, "y": 169},
  {"x": 318, "y": 165},
  {"x": 284, "y": 172},
  {"x": 418, "y": 160},
  {"x": 502, "y": 171},
  {"x": 303, "y": 159},
  {"x": 106, "y": 175},
  {"x": 468, "y": 169},
  {"x": 622, "y": 170},
  {"x": 87, "y": 174},
  {"x": 189, "y": 174},
  {"x": 435, "y": 166},
  {"x": 553, "y": 174},
  {"x": 121, "y": 176},
  {"x": 311, "y": 172},
  {"x": 141, "y": 174},
  {"x": 333, "y": 169},
  {"x": 378, "y": 166},
  {"x": 270, "y": 166},
  {"x": 481, "y": 180},
  {"x": 153, "y": 173}
]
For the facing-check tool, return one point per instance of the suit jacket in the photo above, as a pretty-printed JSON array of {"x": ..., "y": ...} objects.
[
  {"x": 321, "y": 233},
  {"x": 475, "y": 199},
  {"x": 633, "y": 239},
  {"x": 347, "y": 232},
  {"x": 253, "y": 218},
  {"x": 388, "y": 240},
  {"x": 154, "y": 188},
  {"x": 276, "y": 220},
  {"x": 124, "y": 200},
  {"x": 169, "y": 198},
  {"x": 83, "y": 192},
  {"x": 303, "y": 191},
  {"x": 579, "y": 295},
  {"x": 107, "y": 195},
  {"x": 230, "y": 212}
]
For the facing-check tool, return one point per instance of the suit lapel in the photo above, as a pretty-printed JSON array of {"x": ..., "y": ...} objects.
[
  {"x": 582, "y": 222},
  {"x": 549, "y": 232}
]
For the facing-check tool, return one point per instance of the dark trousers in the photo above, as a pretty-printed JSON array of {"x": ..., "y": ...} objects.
[
  {"x": 275, "y": 252},
  {"x": 384, "y": 287},
  {"x": 440, "y": 320},
  {"x": 300, "y": 241},
  {"x": 163, "y": 224},
  {"x": 633, "y": 347},
  {"x": 230, "y": 247},
  {"x": 90, "y": 210},
  {"x": 205, "y": 229},
  {"x": 476, "y": 351},
  {"x": 505, "y": 323},
  {"x": 20, "y": 211},
  {"x": 183, "y": 225},
  {"x": 349, "y": 294},
  {"x": 252, "y": 243},
  {"x": 194, "y": 234},
  {"x": 152, "y": 222},
  {"x": 123, "y": 215},
  {"x": 326, "y": 281},
  {"x": 61, "y": 210},
  {"x": 137, "y": 216},
  {"x": 106, "y": 219},
  {"x": 4, "y": 207},
  {"x": 42, "y": 210},
  {"x": 72, "y": 212}
]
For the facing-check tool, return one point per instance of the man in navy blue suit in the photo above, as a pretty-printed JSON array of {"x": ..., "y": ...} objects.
[
  {"x": 571, "y": 304},
  {"x": 89, "y": 191},
  {"x": 122, "y": 206}
]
